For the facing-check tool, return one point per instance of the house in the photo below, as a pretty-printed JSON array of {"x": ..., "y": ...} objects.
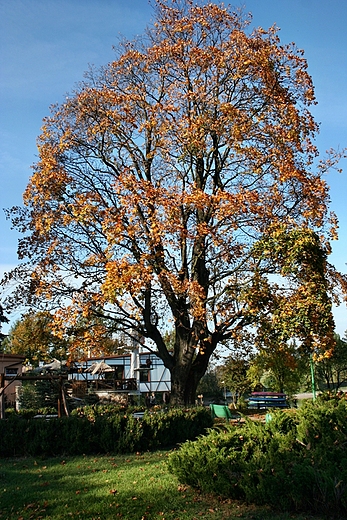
[
  {"x": 138, "y": 372},
  {"x": 11, "y": 367}
]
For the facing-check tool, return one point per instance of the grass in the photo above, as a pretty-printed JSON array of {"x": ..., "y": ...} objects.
[{"x": 133, "y": 487}]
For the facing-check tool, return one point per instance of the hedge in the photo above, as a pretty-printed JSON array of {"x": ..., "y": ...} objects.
[{"x": 100, "y": 429}]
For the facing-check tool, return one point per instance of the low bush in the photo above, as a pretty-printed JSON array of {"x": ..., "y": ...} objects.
[
  {"x": 92, "y": 411},
  {"x": 297, "y": 461},
  {"x": 29, "y": 413},
  {"x": 100, "y": 429}
]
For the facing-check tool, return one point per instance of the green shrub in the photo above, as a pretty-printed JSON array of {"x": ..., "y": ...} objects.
[
  {"x": 99, "y": 429},
  {"x": 296, "y": 461},
  {"x": 174, "y": 426},
  {"x": 99, "y": 410}
]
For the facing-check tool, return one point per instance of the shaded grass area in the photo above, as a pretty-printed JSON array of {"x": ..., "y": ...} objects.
[{"x": 133, "y": 487}]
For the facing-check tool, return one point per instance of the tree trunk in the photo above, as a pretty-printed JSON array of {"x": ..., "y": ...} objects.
[{"x": 185, "y": 379}]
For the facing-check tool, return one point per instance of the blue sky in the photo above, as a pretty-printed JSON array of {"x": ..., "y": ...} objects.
[{"x": 46, "y": 45}]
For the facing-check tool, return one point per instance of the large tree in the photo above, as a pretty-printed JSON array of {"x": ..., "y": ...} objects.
[{"x": 161, "y": 172}]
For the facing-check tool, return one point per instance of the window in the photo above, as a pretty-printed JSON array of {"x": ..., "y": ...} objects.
[
  {"x": 144, "y": 373},
  {"x": 11, "y": 371}
]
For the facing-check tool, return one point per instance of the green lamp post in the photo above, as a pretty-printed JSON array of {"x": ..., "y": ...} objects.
[{"x": 312, "y": 378}]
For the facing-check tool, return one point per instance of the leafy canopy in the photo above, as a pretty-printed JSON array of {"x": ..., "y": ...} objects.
[
  {"x": 32, "y": 336},
  {"x": 162, "y": 176}
]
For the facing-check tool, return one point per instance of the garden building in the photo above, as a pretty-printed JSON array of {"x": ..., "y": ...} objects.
[
  {"x": 11, "y": 367},
  {"x": 134, "y": 373}
]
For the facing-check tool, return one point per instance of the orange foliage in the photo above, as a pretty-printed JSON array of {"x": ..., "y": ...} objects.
[{"x": 159, "y": 174}]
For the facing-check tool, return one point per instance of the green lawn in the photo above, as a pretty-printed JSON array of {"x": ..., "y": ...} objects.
[{"x": 134, "y": 487}]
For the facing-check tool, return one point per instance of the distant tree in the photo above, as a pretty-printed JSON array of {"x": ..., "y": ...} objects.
[
  {"x": 38, "y": 395},
  {"x": 210, "y": 386},
  {"x": 279, "y": 367},
  {"x": 32, "y": 336},
  {"x": 37, "y": 337},
  {"x": 234, "y": 375},
  {"x": 161, "y": 173},
  {"x": 331, "y": 372}
]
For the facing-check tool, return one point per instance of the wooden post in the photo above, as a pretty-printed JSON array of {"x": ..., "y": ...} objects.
[
  {"x": 63, "y": 395},
  {"x": 60, "y": 386}
]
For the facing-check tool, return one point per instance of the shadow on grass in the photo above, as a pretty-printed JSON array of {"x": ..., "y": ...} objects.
[{"x": 134, "y": 487}]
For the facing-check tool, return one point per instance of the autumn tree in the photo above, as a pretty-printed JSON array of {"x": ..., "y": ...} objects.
[
  {"x": 32, "y": 336},
  {"x": 36, "y": 337},
  {"x": 161, "y": 172},
  {"x": 234, "y": 374},
  {"x": 280, "y": 367}
]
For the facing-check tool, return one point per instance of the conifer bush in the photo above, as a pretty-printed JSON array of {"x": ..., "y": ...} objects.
[{"x": 297, "y": 461}]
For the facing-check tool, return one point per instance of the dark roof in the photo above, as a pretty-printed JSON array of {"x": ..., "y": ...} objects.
[{"x": 11, "y": 357}]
